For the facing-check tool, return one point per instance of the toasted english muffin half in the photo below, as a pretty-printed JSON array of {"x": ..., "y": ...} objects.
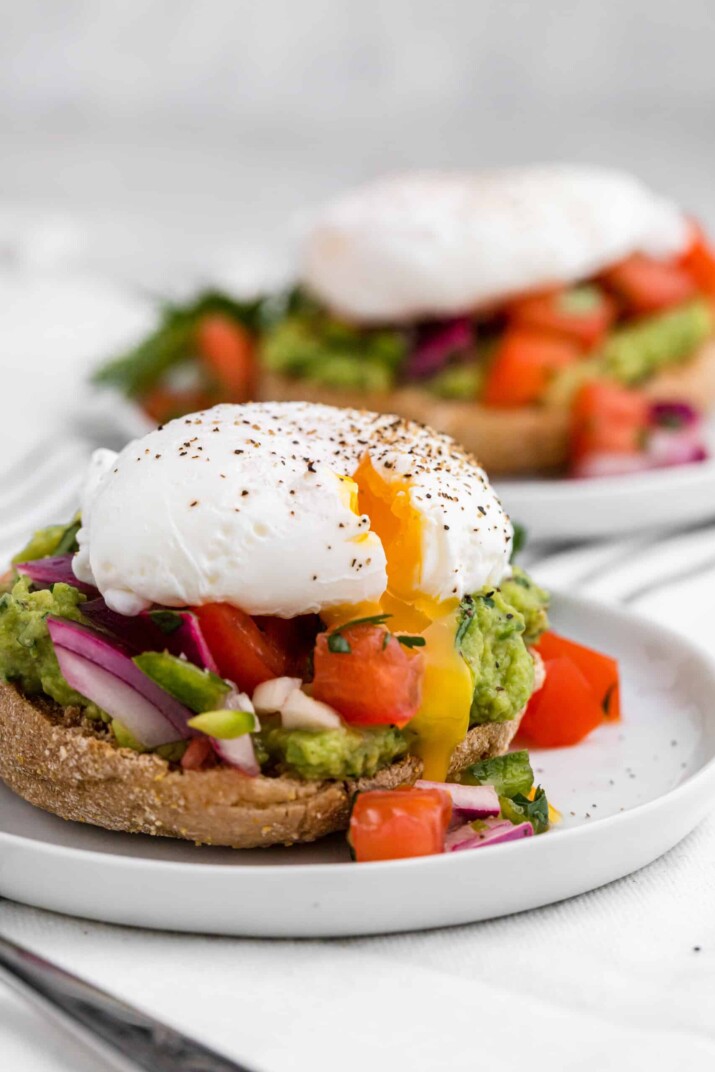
[{"x": 66, "y": 765}]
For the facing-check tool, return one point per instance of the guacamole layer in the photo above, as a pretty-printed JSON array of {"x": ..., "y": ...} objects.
[
  {"x": 343, "y": 753},
  {"x": 27, "y": 655},
  {"x": 494, "y": 630},
  {"x": 313, "y": 346}
]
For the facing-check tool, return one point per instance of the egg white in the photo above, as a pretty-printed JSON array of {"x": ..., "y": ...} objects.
[
  {"x": 433, "y": 244},
  {"x": 255, "y": 506}
]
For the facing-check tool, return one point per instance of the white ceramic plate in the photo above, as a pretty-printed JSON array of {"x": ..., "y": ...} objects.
[
  {"x": 628, "y": 794},
  {"x": 612, "y": 506}
]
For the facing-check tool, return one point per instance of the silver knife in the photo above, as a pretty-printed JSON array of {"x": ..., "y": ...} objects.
[{"x": 122, "y": 1034}]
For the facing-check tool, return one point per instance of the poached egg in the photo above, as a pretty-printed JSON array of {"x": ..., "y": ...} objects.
[
  {"x": 294, "y": 508},
  {"x": 434, "y": 244}
]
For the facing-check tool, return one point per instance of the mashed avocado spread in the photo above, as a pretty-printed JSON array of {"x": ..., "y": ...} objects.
[
  {"x": 326, "y": 351},
  {"x": 637, "y": 351},
  {"x": 640, "y": 350},
  {"x": 343, "y": 753},
  {"x": 495, "y": 627},
  {"x": 26, "y": 652},
  {"x": 530, "y": 601}
]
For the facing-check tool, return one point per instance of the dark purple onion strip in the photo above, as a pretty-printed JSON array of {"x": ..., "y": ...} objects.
[
  {"x": 673, "y": 415},
  {"x": 438, "y": 342},
  {"x": 142, "y": 633},
  {"x": 44, "y": 572}
]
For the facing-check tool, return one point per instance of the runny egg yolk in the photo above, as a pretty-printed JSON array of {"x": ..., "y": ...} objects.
[{"x": 443, "y": 718}]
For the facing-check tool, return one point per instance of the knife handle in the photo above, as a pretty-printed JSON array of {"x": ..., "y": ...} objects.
[{"x": 124, "y": 1035}]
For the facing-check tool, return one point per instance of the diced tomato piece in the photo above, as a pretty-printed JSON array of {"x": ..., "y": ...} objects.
[
  {"x": 376, "y": 682},
  {"x": 583, "y": 314},
  {"x": 163, "y": 404},
  {"x": 295, "y": 637},
  {"x": 607, "y": 418},
  {"x": 523, "y": 364},
  {"x": 699, "y": 261},
  {"x": 397, "y": 823},
  {"x": 242, "y": 652},
  {"x": 601, "y": 671},
  {"x": 198, "y": 755},
  {"x": 228, "y": 351},
  {"x": 564, "y": 710},
  {"x": 647, "y": 285}
]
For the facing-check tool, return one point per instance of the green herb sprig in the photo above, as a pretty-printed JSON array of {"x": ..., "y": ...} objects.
[
  {"x": 338, "y": 645},
  {"x": 412, "y": 641},
  {"x": 519, "y": 809}
]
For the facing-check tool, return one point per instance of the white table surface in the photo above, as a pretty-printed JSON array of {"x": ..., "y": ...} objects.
[{"x": 623, "y": 977}]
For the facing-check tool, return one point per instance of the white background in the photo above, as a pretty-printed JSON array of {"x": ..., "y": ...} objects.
[{"x": 181, "y": 128}]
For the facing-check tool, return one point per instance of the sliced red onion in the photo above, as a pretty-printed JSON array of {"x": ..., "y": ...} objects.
[
  {"x": 102, "y": 670},
  {"x": 437, "y": 344},
  {"x": 678, "y": 447},
  {"x": 143, "y": 719},
  {"x": 468, "y": 801},
  {"x": 496, "y": 832},
  {"x": 137, "y": 632},
  {"x": 188, "y": 640},
  {"x": 143, "y": 633},
  {"x": 238, "y": 752},
  {"x": 44, "y": 572},
  {"x": 605, "y": 464},
  {"x": 664, "y": 448},
  {"x": 673, "y": 415}
]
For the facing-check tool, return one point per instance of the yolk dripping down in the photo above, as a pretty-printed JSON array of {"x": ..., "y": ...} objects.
[{"x": 443, "y": 719}]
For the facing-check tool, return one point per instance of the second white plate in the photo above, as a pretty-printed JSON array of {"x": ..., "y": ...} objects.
[{"x": 612, "y": 506}]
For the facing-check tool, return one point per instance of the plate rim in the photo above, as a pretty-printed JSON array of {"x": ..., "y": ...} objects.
[
  {"x": 691, "y": 785},
  {"x": 688, "y": 474}
]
